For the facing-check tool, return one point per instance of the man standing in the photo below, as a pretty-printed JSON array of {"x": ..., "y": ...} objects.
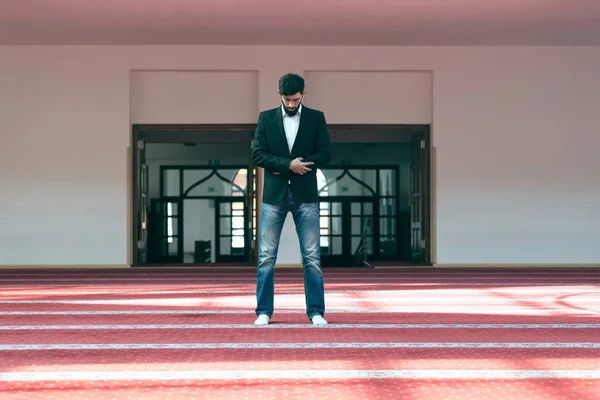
[{"x": 290, "y": 143}]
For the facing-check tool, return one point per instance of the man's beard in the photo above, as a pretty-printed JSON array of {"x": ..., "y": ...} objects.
[{"x": 291, "y": 113}]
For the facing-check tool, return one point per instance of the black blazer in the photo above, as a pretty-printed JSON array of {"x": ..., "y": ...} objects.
[{"x": 270, "y": 151}]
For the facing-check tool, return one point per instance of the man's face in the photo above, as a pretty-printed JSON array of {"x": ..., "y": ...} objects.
[{"x": 292, "y": 102}]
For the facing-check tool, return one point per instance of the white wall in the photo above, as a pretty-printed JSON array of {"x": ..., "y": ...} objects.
[
  {"x": 515, "y": 131},
  {"x": 182, "y": 97},
  {"x": 374, "y": 97}
]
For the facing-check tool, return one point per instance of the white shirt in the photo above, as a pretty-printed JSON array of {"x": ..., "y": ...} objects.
[{"x": 291, "y": 124}]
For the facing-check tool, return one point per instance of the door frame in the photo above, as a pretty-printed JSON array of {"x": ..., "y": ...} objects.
[
  {"x": 174, "y": 133},
  {"x": 399, "y": 133},
  {"x": 339, "y": 133}
]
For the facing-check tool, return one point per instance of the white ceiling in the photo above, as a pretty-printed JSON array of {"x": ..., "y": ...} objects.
[{"x": 300, "y": 22}]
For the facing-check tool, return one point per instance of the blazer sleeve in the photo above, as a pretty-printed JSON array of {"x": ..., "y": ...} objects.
[
  {"x": 261, "y": 155},
  {"x": 322, "y": 155}
]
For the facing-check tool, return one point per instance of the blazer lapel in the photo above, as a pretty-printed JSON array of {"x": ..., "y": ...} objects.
[
  {"x": 280, "y": 127},
  {"x": 301, "y": 125}
]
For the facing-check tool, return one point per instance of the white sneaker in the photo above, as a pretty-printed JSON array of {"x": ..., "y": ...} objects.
[
  {"x": 318, "y": 320},
  {"x": 263, "y": 319}
]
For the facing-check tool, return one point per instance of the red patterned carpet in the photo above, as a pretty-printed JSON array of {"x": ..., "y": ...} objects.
[{"x": 393, "y": 334}]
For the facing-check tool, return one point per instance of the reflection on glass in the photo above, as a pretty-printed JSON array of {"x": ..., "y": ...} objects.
[
  {"x": 225, "y": 209},
  {"x": 232, "y": 224},
  {"x": 357, "y": 225},
  {"x": 171, "y": 182},
  {"x": 171, "y": 228},
  {"x": 336, "y": 246},
  {"x": 387, "y": 207},
  {"x": 225, "y": 243},
  {"x": 173, "y": 247},
  {"x": 353, "y": 182},
  {"x": 237, "y": 222},
  {"x": 215, "y": 185},
  {"x": 368, "y": 243},
  {"x": 225, "y": 226},
  {"x": 387, "y": 182},
  {"x": 237, "y": 242},
  {"x": 336, "y": 225},
  {"x": 387, "y": 226}
]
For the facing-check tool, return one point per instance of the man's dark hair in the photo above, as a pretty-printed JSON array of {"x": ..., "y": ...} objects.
[{"x": 291, "y": 84}]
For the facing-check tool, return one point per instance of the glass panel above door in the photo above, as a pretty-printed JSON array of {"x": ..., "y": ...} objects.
[
  {"x": 349, "y": 182},
  {"x": 214, "y": 182}
]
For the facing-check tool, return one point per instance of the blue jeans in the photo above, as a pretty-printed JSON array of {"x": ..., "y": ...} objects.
[{"x": 306, "y": 219}]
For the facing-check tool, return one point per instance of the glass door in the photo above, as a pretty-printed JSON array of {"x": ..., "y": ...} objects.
[
  {"x": 164, "y": 244},
  {"x": 360, "y": 232},
  {"x": 331, "y": 213},
  {"x": 347, "y": 226},
  {"x": 231, "y": 218}
]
